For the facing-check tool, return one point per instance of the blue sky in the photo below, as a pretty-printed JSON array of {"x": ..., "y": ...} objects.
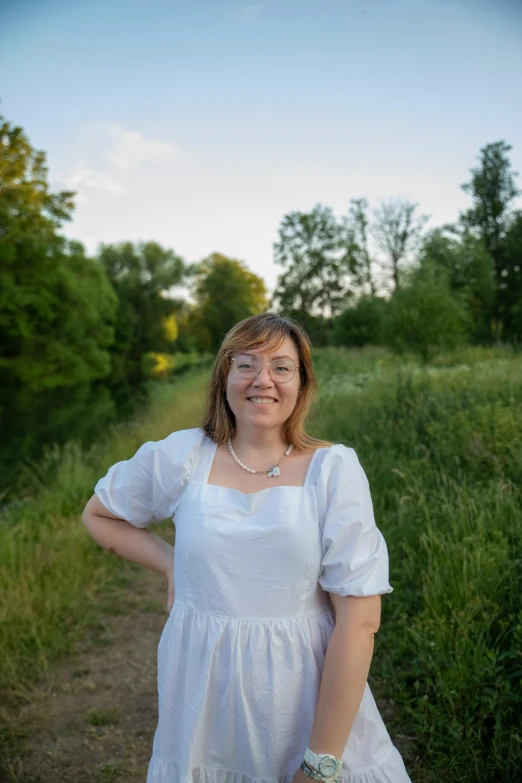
[{"x": 201, "y": 124}]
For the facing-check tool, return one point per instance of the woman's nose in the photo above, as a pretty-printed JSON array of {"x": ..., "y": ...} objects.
[{"x": 263, "y": 377}]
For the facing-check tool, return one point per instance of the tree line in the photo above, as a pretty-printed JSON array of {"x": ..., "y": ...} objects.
[
  {"x": 383, "y": 279},
  {"x": 365, "y": 278}
]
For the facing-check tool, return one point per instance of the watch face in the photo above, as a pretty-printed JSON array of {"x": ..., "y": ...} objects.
[{"x": 329, "y": 766}]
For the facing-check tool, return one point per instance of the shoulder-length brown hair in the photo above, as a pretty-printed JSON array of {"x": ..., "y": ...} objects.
[{"x": 270, "y": 330}]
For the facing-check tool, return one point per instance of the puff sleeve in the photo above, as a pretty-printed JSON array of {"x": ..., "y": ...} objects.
[
  {"x": 355, "y": 555},
  {"x": 147, "y": 487}
]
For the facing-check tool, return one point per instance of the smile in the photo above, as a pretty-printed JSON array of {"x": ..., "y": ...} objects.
[{"x": 261, "y": 400}]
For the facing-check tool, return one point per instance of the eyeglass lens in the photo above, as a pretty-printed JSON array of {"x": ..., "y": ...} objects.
[{"x": 280, "y": 369}]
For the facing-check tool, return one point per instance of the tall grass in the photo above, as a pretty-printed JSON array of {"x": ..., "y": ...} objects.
[{"x": 442, "y": 449}]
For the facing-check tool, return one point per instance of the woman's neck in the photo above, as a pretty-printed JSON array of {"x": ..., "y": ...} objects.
[{"x": 259, "y": 442}]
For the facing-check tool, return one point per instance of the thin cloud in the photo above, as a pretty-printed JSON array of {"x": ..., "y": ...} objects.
[
  {"x": 83, "y": 177},
  {"x": 246, "y": 13},
  {"x": 105, "y": 153},
  {"x": 130, "y": 148}
]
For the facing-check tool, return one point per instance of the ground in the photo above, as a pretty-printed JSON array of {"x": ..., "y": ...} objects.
[{"x": 92, "y": 718}]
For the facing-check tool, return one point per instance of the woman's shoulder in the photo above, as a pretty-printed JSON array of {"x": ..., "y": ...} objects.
[
  {"x": 190, "y": 435},
  {"x": 339, "y": 466},
  {"x": 328, "y": 462},
  {"x": 337, "y": 455},
  {"x": 179, "y": 443}
]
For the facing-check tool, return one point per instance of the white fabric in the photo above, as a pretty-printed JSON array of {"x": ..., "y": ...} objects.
[{"x": 242, "y": 652}]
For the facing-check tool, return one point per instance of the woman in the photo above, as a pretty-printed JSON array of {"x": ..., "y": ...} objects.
[{"x": 278, "y": 569}]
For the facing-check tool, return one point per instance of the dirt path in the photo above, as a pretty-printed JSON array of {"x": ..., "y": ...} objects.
[{"x": 93, "y": 717}]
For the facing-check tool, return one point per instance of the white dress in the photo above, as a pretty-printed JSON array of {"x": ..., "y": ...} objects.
[{"x": 242, "y": 652}]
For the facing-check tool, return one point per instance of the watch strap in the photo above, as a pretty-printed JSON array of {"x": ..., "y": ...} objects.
[
  {"x": 315, "y": 775},
  {"x": 317, "y": 767}
]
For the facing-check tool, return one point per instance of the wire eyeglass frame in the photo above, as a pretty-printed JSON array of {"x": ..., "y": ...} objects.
[{"x": 256, "y": 362}]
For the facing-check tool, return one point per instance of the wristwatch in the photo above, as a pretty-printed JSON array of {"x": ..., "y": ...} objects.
[
  {"x": 321, "y": 766},
  {"x": 315, "y": 775}
]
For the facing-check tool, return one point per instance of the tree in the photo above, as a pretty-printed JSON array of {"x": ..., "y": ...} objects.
[
  {"x": 315, "y": 265},
  {"x": 190, "y": 337},
  {"x": 424, "y": 316},
  {"x": 29, "y": 212},
  {"x": 397, "y": 232},
  {"x": 56, "y": 305},
  {"x": 511, "y": 289},
  {"x": 226, "y": 291},
  {"x": 492, "y": 188},
  {"x": 469, "y": 270},
  {"x": 141, "y": 276},
  {"x": 354, "y": 235}
]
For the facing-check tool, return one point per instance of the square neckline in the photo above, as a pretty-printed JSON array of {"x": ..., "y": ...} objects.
[{"x": 208, "y": 468}]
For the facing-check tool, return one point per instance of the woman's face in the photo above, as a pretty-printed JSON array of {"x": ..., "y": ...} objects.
[{"x": 283, "y": 395}]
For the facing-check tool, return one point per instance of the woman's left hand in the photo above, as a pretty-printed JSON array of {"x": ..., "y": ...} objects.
[{"x": 300, "y": 777}]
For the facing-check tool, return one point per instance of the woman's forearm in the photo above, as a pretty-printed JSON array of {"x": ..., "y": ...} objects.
[
  {"x": 132, "y": 543},
  {"x": 345, "y": 672}
]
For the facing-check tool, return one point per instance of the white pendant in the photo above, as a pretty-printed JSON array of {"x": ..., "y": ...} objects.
[{"x": 275, "y": 471}]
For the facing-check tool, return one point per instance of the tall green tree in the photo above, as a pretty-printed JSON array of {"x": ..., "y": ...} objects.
[
  {"x": 315, "y": 264},
  {"x": 492, "y": 188},
  {"x": 397, "y": 231},
  {"x": 56, "y": 305},
  {"x": 354, "y": 239},
  {"x": 491, "y": 217},
  {"x": 469, "y": 270},
  {"x": 141, "y": 276},
  {"x": 225, "y": 291},
  {"x": 511, "y": 287}
]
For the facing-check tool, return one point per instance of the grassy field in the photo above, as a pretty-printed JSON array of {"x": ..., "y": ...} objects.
[{"x": 442, "y": 449}]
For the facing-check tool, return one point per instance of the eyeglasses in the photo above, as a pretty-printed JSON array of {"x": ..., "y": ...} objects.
[{"x": 281, "y": 370}]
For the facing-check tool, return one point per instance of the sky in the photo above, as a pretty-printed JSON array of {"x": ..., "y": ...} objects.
[{"x": 200, "y": 124}]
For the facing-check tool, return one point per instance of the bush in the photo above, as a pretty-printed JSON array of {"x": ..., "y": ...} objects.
[
  {"x": 362, "y": 324},
  {"x": 424, "y": 316}
]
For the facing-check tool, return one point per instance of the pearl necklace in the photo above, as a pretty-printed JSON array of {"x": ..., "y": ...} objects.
[{"x": 270, "y": 472}]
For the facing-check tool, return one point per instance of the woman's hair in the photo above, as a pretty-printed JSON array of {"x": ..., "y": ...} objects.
[{"x": 270, "y": 330}]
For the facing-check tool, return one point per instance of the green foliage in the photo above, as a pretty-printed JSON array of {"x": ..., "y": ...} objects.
[
  {"x": 362, "y": 324},
  {"x": 492, "y": 188},
  {"x": 56, "y": 305},
  {"x": 354, "y": 240},
  {"x": 441, "y": 447},
  {"x": 315, "y": 264},
  {"x": 469, "y": 271},
  {"x": 68, "y": 345},
  {"x": 424, "y": 316},
  {"x": 226, "y": 291},
  {"x": 510, "y": 287},
  {"x": 191, "y": 335},
  {"x": 140, "y": 274},
  {"x": 29, "y": 212},
  {"x": 318, "y": 328}
]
